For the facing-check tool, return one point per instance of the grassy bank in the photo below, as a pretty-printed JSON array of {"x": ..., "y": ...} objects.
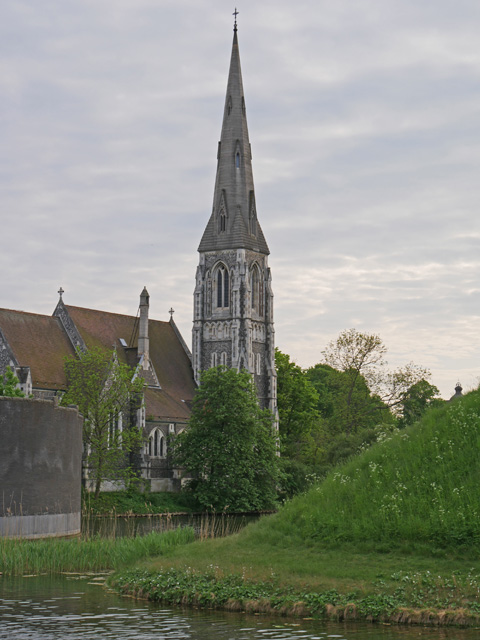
[
  {"x": 393, "y": 535},
  {"x": 20, "y": 557},
  {"x": 362, "y": 581}
]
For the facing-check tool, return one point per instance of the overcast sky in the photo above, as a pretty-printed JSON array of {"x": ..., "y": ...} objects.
[{"x": 364, "y": 120}]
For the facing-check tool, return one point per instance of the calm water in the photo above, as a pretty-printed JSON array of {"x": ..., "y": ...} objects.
[{"x": 73, "y": 606}]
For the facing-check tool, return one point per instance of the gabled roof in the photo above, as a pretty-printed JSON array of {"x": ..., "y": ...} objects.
[
  {"x": 38, "y": 342},
  {"x": 41, "y": 343},
  {"x": 170, "y": 361}
]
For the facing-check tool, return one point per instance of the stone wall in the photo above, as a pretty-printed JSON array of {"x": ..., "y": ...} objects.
[{"x": 40, "y": 468}]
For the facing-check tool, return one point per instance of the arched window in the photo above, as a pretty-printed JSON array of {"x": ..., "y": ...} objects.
[
  {"x": 253, "y": 225},
  {"x": 222, "y": 221},
  {"x": 223, "y": 358},
  {"x": 213, "y": 361},
  {"x": 156, "y": 444},
  {"x": 223, "y": 287},
  {"x": 237, "y": 160},
  {"x": 257, "y": 291}
]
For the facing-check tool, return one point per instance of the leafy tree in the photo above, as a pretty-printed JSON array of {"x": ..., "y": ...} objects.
[
  {"x": 229, "y": 446},
  {"x": 8, "y": 385},
  {"x": 417, "y": 399},
  {"x": 105, "y": 392},
  {"x": 371, "y": 390},
  {"x": 297, "y": 402}
]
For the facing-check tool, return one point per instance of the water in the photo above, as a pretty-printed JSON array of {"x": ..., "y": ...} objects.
[{"x": 76, "y": 606}]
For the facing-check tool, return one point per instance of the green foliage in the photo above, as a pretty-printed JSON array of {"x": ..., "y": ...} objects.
[
  {"x": 419, "y": 484},
  {"x": 295, "y": 477},
  {"x": 436, "y": 596},
  {"x": 139, "y": 503},
  {"x": 19, "y": 557},
  {"x": 297, "y": 405},
  {"x": 417, "y": 399},
  {"x": 229, "y": 446},
  {"x": 8, "y": 385},
  {"x": 104, "y": 391},
  {"x": 370, "y": 389}
]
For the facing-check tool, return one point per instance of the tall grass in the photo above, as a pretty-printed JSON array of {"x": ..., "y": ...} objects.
[
  {"x": 19, "y": 557},
  {"x": 421, "y": 484}
]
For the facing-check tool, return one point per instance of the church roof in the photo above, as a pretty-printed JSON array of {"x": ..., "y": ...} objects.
[
  {"x": 170, "y": 361},
  {"x": 234, "y": 195},
  {"x": 38, "y": 342},
  {"x": 41, "y": 343}
]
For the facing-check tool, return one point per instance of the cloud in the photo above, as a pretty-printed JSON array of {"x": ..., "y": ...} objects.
[{"x": 365, "y": 136}]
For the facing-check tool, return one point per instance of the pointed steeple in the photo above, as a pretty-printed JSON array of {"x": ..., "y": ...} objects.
[{"x": 233, "y": 223}]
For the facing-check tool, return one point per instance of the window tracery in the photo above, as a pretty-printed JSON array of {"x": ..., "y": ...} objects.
[{"x": 156, "y": 444}]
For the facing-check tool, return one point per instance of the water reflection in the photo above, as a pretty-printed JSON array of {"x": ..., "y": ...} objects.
[{"x": 74, "y": 606}]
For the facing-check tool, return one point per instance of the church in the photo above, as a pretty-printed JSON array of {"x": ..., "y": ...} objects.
[{"x": 232, "y": 317}]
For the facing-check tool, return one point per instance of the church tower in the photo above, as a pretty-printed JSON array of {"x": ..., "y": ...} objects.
[{"x": 233, "y": 299}]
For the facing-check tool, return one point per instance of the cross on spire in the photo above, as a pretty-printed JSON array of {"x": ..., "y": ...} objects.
[
  {"x": 60, "y": 292},
  {"x": 235, "y": 13},
  {"x": 171, "y": 312}
]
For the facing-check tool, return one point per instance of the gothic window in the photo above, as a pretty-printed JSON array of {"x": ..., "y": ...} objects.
[
  {"x": 156, "y": 444},
  {"x": 223, "y": 358},
  {"x": 257, "y": 291},
  {"x": 223, "y": 287},
  {"x": 213, "y": 361},
  {"x": 253, "y": 224},
  {"x": 237, "y": 160},
  {"x": 222, "y": 221},
  {"x": 258, "y": 363}
]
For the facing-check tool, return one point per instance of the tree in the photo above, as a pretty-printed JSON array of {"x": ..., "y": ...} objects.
[
  {"x": 229, "y": 446},
  {"x": 8, "y": 385},
  {"x": 297, "y": 402},
  {"x": 106, "y": 393},
  {"x": 370, "y": 388},
  {"x": 417, "y": 399}
]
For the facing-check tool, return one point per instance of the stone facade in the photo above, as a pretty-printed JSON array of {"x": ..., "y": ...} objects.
[
  {"x": 36, "y": 346},
  {"x": 233, "y": 298}
]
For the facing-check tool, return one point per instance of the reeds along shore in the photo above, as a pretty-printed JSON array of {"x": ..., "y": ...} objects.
[
  {"x": 107, "y": 549},
  {"x": 19, "y": 557}
]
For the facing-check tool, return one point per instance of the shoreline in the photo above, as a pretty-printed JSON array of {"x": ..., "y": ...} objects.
[{"x": 235, "y": 594}]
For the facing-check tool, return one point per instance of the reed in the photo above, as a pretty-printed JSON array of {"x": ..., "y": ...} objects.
[{"x": 18, "y": 557}]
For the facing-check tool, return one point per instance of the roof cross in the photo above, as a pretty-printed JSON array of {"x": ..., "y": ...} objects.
[
  {"x": 171, "y": 312},
  {"x": 60, "y": 292},
  {"x": 235, "y": 13}
]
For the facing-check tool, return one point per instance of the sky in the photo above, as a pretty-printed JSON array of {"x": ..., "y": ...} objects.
[{"x": 364, "y": 121}]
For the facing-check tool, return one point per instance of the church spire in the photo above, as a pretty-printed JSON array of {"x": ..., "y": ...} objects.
[{"x": 233, "y": 223}]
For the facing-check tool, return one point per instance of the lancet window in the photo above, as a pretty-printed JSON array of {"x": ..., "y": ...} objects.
[
  {"x": 223, "y": 287},
  {"x": 222, "y": 221},
  {"x": 156, "y": 444},
  {"x": 257, "y": 291}
]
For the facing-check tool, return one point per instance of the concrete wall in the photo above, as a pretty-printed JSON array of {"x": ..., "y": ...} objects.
[{"x": 40, "y": 468}]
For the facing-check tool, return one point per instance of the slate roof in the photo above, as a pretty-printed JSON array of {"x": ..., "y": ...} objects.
[
  {"x": 38, "y": 342},
  {"x": 170, "y": 361},
  {"x": 234, "y": 190}
]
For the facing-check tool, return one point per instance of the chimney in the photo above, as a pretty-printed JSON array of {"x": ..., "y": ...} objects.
[{"x": 143, "y": 328}]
